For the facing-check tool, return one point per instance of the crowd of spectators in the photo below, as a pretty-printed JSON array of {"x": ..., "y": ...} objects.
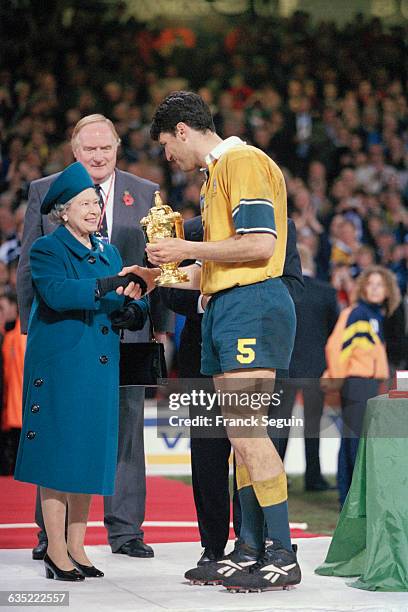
[{"x": 327, "y": 103}]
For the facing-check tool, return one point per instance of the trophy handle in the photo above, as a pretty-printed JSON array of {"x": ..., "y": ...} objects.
[{"x": 179, "y": 227}]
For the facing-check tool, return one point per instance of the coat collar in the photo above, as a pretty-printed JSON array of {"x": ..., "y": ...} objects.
[{"x": 77, "y": 248}]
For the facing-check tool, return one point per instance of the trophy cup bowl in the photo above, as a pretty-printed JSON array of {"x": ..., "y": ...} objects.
[{"x": 163, "y": 222}]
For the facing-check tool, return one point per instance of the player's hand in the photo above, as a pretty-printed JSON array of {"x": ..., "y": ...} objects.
[
  {"x": 169, "y": 250},
  {"x": 133, "y": 290}
]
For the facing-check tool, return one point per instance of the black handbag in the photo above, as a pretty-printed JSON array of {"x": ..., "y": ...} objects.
[{"x": 142, "y": 364}]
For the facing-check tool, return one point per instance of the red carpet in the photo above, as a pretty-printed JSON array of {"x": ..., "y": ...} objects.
[{"x": 167, "y": 500}]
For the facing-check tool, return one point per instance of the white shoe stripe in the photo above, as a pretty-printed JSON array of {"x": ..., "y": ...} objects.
[
  {"x": 246, "y": 563},
  {"x": 273, "y": 568},
  {"x": 223, "y": 570},
  {"x": 230, "y": 564}
]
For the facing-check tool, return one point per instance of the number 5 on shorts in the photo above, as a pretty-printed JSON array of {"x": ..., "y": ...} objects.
[{"x": 245, "y": 353}]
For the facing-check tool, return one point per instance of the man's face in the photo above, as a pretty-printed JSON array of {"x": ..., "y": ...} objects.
[
  {"x": 177, "y": 149},
  {"x": 96, "y": 148}
]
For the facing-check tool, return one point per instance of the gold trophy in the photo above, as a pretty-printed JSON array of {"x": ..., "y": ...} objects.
[{"x": 163, "y": 222}]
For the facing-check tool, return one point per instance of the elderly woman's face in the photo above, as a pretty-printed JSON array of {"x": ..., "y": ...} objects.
[{"x": 82, "y": 216}]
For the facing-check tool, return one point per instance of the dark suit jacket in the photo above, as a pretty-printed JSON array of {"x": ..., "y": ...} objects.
[
  {"x": 185, "y": 302},
  {"x": 316, "y": 314},
  {"x": 127, "y": 236}
]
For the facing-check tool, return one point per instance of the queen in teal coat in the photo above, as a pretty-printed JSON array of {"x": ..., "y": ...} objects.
[{"x": 69, "y": 436}]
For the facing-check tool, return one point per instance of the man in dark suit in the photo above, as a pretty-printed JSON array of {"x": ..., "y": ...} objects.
[
  {"x": 209, "y": 456},
  {"x": 124, "y": 199},
  {"x": 316, "y": 315}
]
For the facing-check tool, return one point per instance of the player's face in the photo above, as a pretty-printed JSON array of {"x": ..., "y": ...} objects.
[
  {"x": 177, "y": 149},
  {"x": 97, "y": 149},
  {"x": 375, "y": 289}
]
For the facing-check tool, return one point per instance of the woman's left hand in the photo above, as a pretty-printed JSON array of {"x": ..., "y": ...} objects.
[{"x": 129, "y": 317}]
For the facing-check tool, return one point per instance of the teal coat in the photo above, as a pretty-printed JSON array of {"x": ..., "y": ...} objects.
[{"x": 71, "y": 373}]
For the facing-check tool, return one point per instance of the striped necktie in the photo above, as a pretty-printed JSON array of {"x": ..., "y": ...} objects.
[{"x": 103, "y": 227}]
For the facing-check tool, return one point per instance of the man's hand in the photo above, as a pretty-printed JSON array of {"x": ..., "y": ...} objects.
[
  {"x": 133, "y": 290},
  {"x": 169, "y": 250},
  {"x": 160, "y": 336}
]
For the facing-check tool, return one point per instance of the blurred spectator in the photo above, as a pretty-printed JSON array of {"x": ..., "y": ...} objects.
[
  {"x": 342, "y": 281},
  {"x": 357, "y": 360},
  {"x": 13, "y": 348},
  {"x": 346, "y": 244},
  {"x": 10, "y": 249}
]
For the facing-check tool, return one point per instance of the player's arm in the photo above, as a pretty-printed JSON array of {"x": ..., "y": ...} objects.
[
  {"x": 251, "y": 192},
  {"x": 237, "y": 248},
  {"x": 150, "y": 274}
]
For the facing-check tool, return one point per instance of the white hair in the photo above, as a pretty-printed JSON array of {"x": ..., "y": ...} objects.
[{"x": 57, "y": 212}]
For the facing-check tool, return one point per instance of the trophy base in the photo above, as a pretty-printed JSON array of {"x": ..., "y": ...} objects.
[{"x": 170, "y": 278}]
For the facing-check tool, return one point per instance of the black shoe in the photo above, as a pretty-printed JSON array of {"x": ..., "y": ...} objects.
[
  {"x": 136, "y": 548},
  {"x": 40, "y": 550},
  {"x": 214, "y": 572},
  {"x": 89, "y": 571},
  {"x": 54, "y": 572},
  {"x": 209, "y": 555},
  {"x": 276, "y": 569}
]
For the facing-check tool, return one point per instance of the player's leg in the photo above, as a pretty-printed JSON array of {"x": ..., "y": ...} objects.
[
  {"x": 263, "y": 493},
  {"x": 263, "y": 476}
]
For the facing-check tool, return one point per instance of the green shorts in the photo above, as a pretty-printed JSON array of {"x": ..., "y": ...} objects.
[{"x": 248, "y": 327}]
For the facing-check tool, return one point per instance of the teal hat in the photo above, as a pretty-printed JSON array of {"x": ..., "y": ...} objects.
[{"x": 72, "y": 181}]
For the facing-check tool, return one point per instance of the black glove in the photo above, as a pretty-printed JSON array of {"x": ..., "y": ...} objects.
[
  {"x": 128, "y": 317},
  {"x": 110, "y": 283}
]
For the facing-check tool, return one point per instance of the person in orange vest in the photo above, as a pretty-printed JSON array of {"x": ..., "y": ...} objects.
[
  {"x": 357, "y": 361},
  {"x": 13, "y": 350}
]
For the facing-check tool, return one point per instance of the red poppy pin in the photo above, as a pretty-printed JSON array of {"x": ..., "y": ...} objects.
[{"x": 128, "y": 199}]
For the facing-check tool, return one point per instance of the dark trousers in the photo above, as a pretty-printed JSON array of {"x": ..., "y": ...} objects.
[
  {"x": 210, "y": 477},
  {"x": 354, "y": 396},
  {"x": 313, "y": 403}
]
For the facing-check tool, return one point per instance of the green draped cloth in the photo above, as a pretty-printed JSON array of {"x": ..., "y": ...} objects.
[{"x": 371, "y": 537}]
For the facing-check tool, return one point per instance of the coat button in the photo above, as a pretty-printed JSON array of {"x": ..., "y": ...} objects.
[
  {"x": 103, "y": 359},
  {"x": 31, "y": 435},
  {"x": 91, "y": 259},
  {"x": 35, "y": 408},
  {"x": 105, "y": 330},
  {"x": 38, "y": 382}
]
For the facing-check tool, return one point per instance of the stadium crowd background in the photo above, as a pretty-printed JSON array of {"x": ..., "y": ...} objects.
[{"x": 327, "y": 103}]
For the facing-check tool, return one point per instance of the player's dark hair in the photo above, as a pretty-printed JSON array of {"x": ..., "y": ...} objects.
[{"x": 184, "y": 106}]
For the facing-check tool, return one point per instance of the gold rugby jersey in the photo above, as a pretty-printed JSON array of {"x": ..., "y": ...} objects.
[{"x": 244, "y": 193}]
